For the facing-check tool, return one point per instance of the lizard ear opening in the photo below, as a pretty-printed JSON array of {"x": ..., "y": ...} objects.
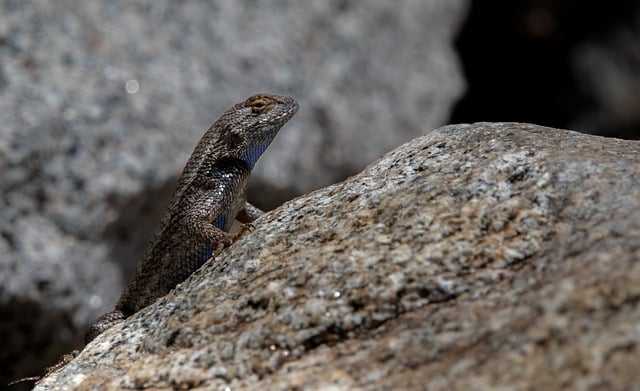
[{"x": 231, "y": 138}]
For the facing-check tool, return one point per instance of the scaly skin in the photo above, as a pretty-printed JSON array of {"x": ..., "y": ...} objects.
[{"x": 211, "y": 193}]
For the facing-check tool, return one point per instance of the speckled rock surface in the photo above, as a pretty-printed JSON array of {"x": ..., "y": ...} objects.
[
  {"x": 101, "y": 103},
  {"x": 484, "y": 256}
]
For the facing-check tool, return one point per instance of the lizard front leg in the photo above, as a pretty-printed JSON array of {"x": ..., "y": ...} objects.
[{"x": 247, "y": 216}]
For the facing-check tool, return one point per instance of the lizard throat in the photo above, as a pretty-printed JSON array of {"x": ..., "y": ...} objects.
[{"x": 254, "y": 154}]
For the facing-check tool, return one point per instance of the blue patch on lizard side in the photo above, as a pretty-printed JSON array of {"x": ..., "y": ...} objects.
[
  {"x": 220, "y": 221},
  {"x": 207, "y": 252}
]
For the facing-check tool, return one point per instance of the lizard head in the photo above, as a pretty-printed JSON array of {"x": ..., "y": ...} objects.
[{"x": 250, "y": 126}]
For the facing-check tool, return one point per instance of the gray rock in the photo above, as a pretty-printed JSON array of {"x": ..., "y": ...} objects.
[
  {"x": 101, "y": 103},
  {"x": 484, "y": 256}
]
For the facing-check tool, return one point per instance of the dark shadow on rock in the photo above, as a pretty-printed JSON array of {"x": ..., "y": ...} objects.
[{"x": 33, "y": 338}]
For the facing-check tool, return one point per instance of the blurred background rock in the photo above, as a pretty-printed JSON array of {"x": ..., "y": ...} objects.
[
  {"x": 566, "y": 64},
  {"x": 102, "y": 102}
]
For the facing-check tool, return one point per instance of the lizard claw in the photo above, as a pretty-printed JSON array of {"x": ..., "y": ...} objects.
[
  {"x": 248, "y": 227},
  {"x": 245, "y": 228},
  {"x": 222, "y": 244}
]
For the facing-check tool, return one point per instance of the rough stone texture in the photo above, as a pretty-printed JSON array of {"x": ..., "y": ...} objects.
[
  {"x": 485, "y": 256},
  {"x": 87, "y": 167}
]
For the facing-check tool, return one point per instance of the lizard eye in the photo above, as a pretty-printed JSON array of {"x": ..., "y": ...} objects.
[{"x": 259, "y": 103}]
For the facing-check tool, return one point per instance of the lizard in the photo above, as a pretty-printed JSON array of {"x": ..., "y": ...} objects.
[{"x": 211, "y": 193}]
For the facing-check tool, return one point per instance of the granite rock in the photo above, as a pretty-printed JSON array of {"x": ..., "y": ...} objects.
[
  {"x": 102, "y": 102},
  {"x": 483, "y": 256}
]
